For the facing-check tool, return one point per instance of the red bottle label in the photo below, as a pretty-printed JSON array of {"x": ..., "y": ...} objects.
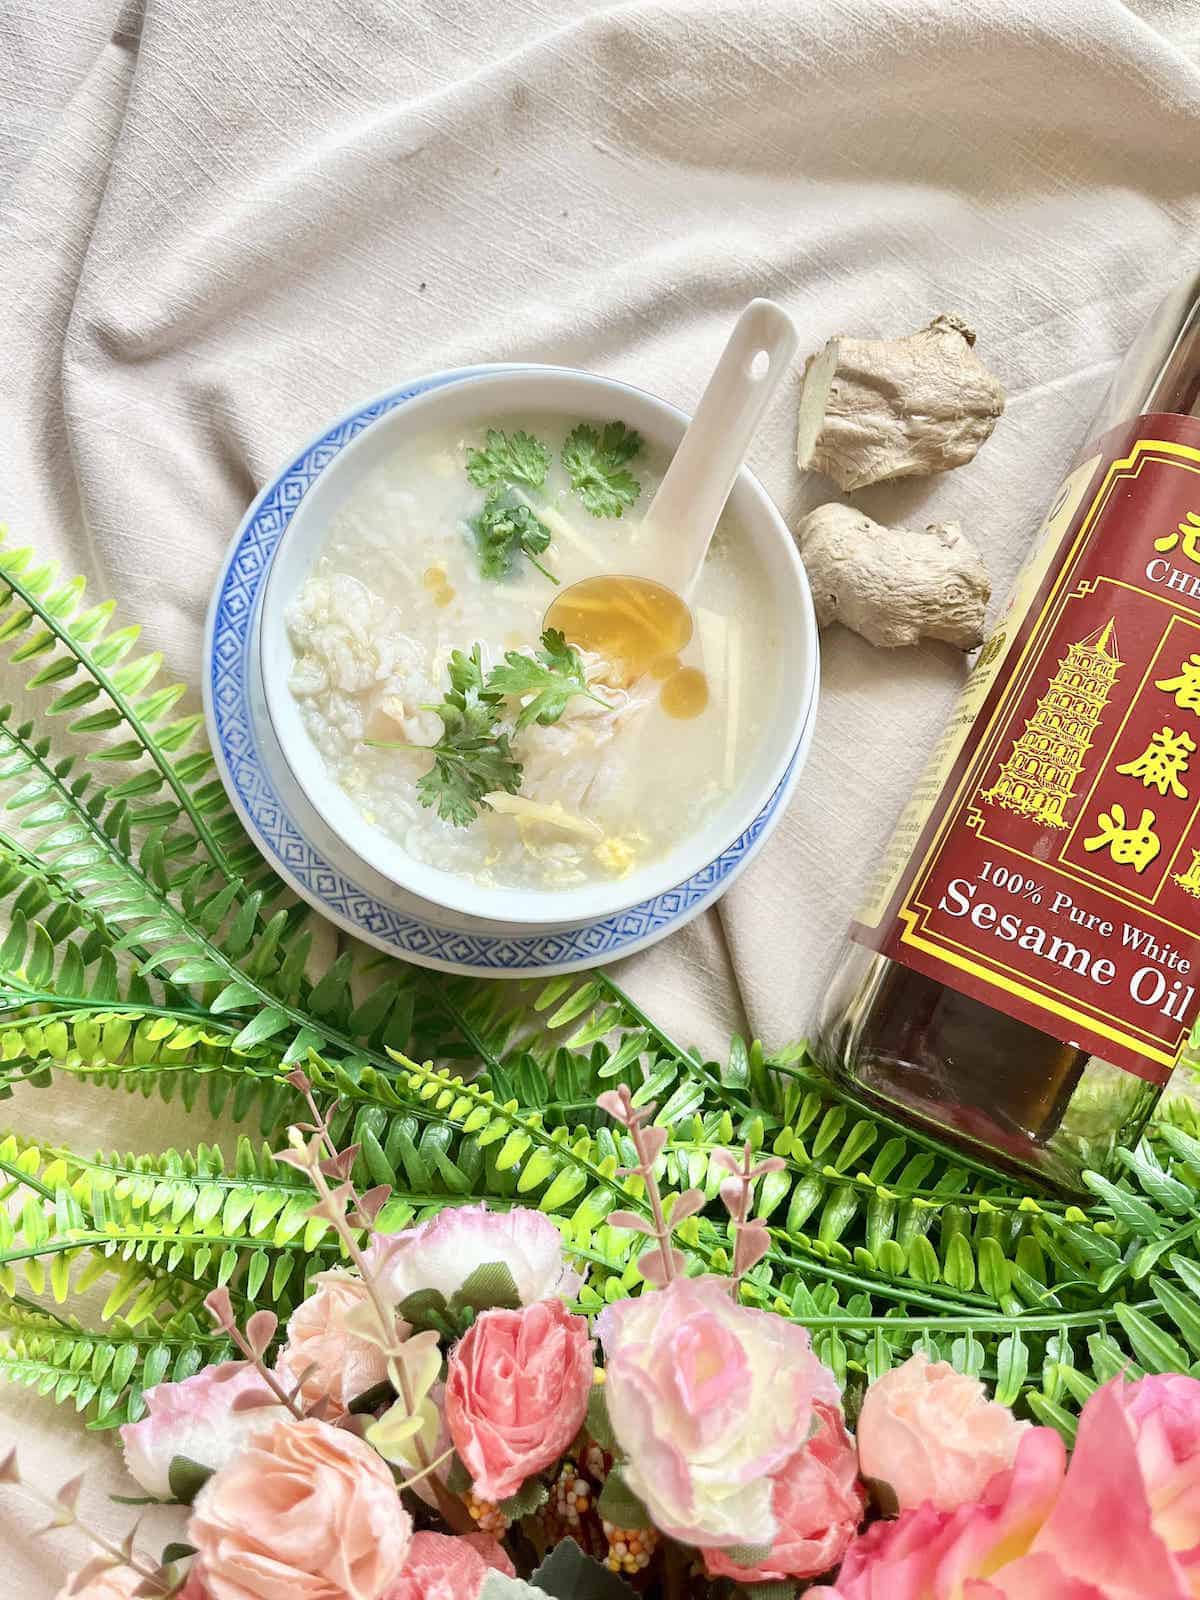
[{"x": 1049, "y": 863}]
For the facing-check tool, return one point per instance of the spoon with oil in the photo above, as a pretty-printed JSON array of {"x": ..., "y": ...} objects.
[{"x": 641, "y": 622}]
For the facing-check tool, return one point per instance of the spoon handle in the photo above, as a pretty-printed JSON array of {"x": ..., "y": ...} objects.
[{"x": 696, "y": 486}]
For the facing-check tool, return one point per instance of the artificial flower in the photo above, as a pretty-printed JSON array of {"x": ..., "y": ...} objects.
[
  {"x": 1164, "y": 1416},
  {"x": 195, "y": 1588},
  {"x": 818, "y": 1504},
  {"x": 195, "y": 1418},
  {"x": 305, "y": 1511},
  {"x": 443, "y": 1253},
  {"x": 516, "y": 1393},
  {"x": 113, "y": 1583},
  {"x": 444, "y": 1567},
  {"x": 336, "y": 1364},
  {"x": 927, "y": 1554},
  {"x": 708, "y": 1399},
  {"x": 928, "y": 1433},
  {"x": 1042, "y": 1530}
]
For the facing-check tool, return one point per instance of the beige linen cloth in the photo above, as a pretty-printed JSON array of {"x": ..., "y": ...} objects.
[{"x": 224, "y": 221}]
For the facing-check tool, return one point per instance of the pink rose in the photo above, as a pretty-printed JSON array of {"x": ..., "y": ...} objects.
[
  {"x": 708, "y": 1399},
  {"x": 1164, "y": 1414},
  {"x": 195, "y": 1418},
  {"x": 818, "y": 1504},
  {"x": 344, "y": 1364},
  {"x": 930, "y": 1433},
  {"x": 440, "y": 1567},
  {"x": 304, "y": 1512},
  {"x": 114, "y": 1583},
  {"x": 516, "y": 1393},
  {"x": 1041, "y": 1531},
  {"x": 927, "y": 1554},
  {"x": 443, "y": 1253},
  {"x": 195, "y": 1587}
]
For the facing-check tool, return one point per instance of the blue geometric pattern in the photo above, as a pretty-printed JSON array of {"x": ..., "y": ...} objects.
[{"x": 277, "y": 835}]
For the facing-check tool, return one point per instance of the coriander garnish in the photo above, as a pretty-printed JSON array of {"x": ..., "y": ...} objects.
[
  {"x": 595, "y": 463},
  {"x": 554, "y": 677},
  {"x": 474, "y": 758}
]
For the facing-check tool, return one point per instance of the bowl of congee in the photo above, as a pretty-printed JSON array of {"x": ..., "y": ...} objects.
[{"x": 478, "y": 681}]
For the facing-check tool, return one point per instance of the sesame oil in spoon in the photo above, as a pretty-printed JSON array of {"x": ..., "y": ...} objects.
[{"x": 642, "y": 623}]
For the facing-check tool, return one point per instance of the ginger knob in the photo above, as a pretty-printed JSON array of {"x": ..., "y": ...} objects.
[
  {"x": 894, "y": 585},
  {"x": 873, "y": 409}
]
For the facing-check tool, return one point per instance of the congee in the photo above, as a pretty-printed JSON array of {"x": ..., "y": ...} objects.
[{"x": 493, "y": 724}]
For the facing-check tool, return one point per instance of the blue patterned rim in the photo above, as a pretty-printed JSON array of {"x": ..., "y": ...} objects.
[{"x": 229, "y": 636}]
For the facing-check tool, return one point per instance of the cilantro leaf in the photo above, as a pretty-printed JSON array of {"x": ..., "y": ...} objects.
[
  {"x": 473, "y": 758},
  {"x": 595, "y": 463},
  {"x": 554, "y": 677},
  {"x": 463, "y": 772},
  {"x": 504, "y": 528},
  {"x": 509, "y": 458}
]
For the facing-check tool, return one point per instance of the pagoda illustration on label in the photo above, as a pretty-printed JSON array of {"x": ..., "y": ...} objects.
[
  {"x": 1040, "y": 775},
  {"x": 1190, "y": 880}
]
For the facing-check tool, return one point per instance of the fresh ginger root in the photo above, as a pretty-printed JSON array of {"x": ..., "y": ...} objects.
[
  {"x": 872, "y": 409},
  {"x": 894, "y": 585}
]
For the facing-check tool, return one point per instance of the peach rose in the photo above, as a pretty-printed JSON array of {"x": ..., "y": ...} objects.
[
  {"x": 818, "y": 1504},
  {"x": 1042, "y": 1530},
  {"x": 443, "y": 1253},
  {"x": 304, "y": 1512},
  {"x": 516, "y": 1393},
  {"x": 344, "y": 1364},
  {"x": 441, "y": 1567},
  {"x": 1163, "y": 1414},
  {"x": 708, "y": 1399},
  {"x": 195, "y": 1418},
  {"x": 115, "y": 1583},
  {"x": 928, "y": 1433}
]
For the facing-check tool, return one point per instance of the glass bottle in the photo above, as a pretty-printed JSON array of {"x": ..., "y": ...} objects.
[{"x": 1042, "y": 1052}]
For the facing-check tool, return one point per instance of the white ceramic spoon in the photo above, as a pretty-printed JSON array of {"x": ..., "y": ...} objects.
[
  {"x": 644, "y": 615},
  {"x": 690, "y": 499}
]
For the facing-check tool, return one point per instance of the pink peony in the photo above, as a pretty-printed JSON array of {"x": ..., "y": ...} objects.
[
  {"x": 440, "y": 1567},
  {"x": 929, "y": 1433},
  {"x": 443, "y": 1253},
  {"x": 304, "y": 1512},
  {"x": 708, "y": 1399},
  {"x": 516, "y": 1393},
  {"x": 1045, "y": 1531},
  {"x": 344, "y": 1364},
  {"x": 818, "y": 1504},
  {"x": 195, "y": 1418}
]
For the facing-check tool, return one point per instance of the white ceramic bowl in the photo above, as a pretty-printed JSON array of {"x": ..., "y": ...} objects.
[{"x": 490, "y": 399}]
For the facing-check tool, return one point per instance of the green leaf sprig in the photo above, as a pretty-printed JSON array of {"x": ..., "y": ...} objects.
[
  {"x": 596, "y": 464},
  {"x": 506, "y": 528},
  {"x": 473, "y": 758},
  {"x": 508, "y": 458},
  {"x": 553, "y": 677}
]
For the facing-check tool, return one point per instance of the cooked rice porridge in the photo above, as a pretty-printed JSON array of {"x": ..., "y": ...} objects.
[{"x": 627, "y": 769}]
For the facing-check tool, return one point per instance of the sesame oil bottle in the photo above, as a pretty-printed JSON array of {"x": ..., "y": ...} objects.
[{"x": 1025, "y": 971}]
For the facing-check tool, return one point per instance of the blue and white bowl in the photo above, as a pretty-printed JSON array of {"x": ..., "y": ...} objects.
[{"x": 304, "y": 823}]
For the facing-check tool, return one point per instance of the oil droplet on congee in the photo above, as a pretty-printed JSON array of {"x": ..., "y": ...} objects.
[{"x": 685, "y": 693}]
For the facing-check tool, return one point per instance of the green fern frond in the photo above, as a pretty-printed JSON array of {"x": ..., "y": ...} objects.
[
  {"x": 102, "y": 1373},
  {"x": 100, "y": 687}
]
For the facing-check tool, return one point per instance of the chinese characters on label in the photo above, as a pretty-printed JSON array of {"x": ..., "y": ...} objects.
[{"x": 1057, "y": 875}]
